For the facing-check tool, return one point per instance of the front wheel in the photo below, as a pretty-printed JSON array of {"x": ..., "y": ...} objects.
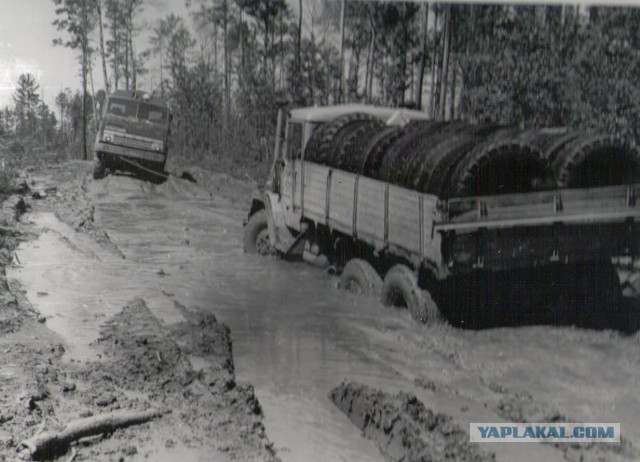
[
  {"x": 400, "y": 289},
  {"x": 256, "y": 235},
  {"x": 99, "y": 168}
]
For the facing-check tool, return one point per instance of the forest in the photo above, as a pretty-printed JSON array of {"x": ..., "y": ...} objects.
[{"x": 225, "y": 66}]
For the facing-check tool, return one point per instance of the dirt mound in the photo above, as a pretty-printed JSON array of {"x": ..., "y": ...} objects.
[
  {"x": 139, "y": 356},
  {"x": 522, "y": 407},
  {"x": 158, "y": 364},
  {"x": 403, "y": 428}
]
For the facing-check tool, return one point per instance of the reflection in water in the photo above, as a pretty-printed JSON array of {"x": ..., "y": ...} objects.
[{"x": 289, "y": 325}]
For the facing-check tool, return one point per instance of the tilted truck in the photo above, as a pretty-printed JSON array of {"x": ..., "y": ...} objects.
[
  {"x": 133, "y": 134},
  {"x": 400, "y": 205}
]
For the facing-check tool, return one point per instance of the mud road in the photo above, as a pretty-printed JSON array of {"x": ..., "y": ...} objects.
[{"x": 177, "y": 248}]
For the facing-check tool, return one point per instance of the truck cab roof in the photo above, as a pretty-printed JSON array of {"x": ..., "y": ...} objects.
[
  {"x": 327, "y": 113},
  {"x": 138, "y": 95}
]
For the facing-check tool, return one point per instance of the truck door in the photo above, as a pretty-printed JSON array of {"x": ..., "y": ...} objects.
[{"x": 290, "y": 174}]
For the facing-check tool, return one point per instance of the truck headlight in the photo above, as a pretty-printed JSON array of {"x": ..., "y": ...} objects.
[
  {"x": 107, "y": 138},
  {"x": 157, "y": 147}
]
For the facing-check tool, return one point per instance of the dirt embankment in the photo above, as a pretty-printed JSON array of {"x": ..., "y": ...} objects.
[
  {"x": 137, "y": 363},
  {"x": 403, "y": 428}
]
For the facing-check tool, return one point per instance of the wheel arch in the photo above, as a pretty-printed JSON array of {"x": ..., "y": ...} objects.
[{"x": 256, "y": 206}]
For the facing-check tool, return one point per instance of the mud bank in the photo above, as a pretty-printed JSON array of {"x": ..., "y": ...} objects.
[
  {"x": 522, "y": 407},
  {"x": 184, "y": 370},
  {"x": 403, "y": 428}
]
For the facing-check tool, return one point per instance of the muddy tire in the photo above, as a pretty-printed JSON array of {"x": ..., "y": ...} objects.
[
  {"x": 99, "y": 169},
  {"x": 400, "y": 288},
  {"x": 256, "y": 235},
  {"x": 360, "y": 277}
]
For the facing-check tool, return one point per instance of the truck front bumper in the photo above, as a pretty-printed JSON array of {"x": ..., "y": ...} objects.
[{"x": 115, "y": 150}]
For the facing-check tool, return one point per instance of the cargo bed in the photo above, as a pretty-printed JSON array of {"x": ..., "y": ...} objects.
[{"x": 492, "y": 232}]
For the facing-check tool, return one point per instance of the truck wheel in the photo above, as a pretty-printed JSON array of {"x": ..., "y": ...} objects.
[
  {"x": 256, "y": 235},
  {"x": 400, "y": 289},
  {"x": 359, "y": 277},
  {"x": 99, "y": 169}
]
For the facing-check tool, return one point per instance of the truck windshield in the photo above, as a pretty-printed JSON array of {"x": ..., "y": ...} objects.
[{"x": 134, "y": 109}]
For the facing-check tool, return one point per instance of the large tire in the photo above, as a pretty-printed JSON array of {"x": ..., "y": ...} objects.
[
  {"x": 360, "y": 277},
  {"x": 594, "y": 161},
  {"x": 350, "y": 149},
  {"x": 99, "y": 168},
  {"x": 377, "y": 148},
  {"x": 400, "y": 288},
  {"x": 320, "y": 146},
  {"x": 256, "y": 235},
  {"x": 502, "y": 165}
]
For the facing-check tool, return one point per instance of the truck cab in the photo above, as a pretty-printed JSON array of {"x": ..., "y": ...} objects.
[{"x": 133, "y": 134}]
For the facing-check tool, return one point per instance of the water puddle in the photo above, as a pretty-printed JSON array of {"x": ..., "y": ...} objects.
[{"x": 76, "y": 284}]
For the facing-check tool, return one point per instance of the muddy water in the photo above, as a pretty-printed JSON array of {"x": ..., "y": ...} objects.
[{"x": 287, "y": 321}]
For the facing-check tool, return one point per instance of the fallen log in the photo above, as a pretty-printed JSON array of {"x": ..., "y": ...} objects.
[{"x": 48, "y": 445}]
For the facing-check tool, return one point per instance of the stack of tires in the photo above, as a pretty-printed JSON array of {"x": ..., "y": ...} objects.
[{"x": 456, "y": 159}]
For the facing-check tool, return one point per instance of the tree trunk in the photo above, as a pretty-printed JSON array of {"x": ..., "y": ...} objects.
[
  {"x": 84, "y": 80},
  {"x": 227, "y": 65},
  {"x": 126, "y": 64},
  {"x": 134, "y": 76},
  {"x": 281, "y": 26},
  {"x": 115, "y": 31},
  {"x": 132, "y": 63},
  {"x": 341, "y": 84},
  {"x": 215, "y": 52},
  {"x": 403, "y": 60},
  {"x": 434, "y": 67},
  {"x": 266, "y": 49},
  {"x": 51, "y": 444},
  {"x": 93, "y": 94},
  {"x": 423, "y": 57},
  {"x": 312, "y": 64},
  {"x": 299, "y": 45},
  {"x": 103, "y": 57},
  {"x": 452, "y": 98},
  {"x": 445, "y": 64},
  {"x": 371, "y": 59}
]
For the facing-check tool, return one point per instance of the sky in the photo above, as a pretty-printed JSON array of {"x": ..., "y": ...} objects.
[{"x": 26, "y": 36}]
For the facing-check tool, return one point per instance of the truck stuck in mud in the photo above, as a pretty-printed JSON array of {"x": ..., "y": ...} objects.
[
  {"x": 133, "y": 134},
  {"x": 452, "y": 220}
]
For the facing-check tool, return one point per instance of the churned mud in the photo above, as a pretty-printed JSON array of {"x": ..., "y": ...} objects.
[
  {"x": 146, "y": 365},
  {"x": 403, "y": 428},
  {"x": 185, "y": 372}
]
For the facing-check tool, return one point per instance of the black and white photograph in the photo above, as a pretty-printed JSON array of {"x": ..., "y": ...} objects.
[{"x": 319, "y": 231}]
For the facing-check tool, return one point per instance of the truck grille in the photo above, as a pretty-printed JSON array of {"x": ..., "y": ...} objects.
[{"x": 133, "y": 142}]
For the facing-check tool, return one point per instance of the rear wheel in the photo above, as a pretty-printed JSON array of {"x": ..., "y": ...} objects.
[
  {"x": 256, "y": 235},
  {"x": 360, "y": 277},
  {"x": 400, "y": 289}
]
